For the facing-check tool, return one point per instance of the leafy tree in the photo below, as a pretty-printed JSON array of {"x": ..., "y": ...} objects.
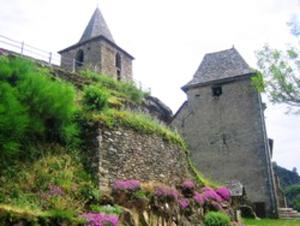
[
  {"x": 281, "y": 71},
  {"x": 281, "y": 74},
  {"x": 293, "y": 196}
]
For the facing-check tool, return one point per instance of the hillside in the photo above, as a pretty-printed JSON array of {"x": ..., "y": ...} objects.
[
  {"x": 287, "y": 177},
  {"x": 86, "y": 149}
]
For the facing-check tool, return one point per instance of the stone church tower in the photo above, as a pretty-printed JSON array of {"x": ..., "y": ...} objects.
[
  {"x": 223, "y": 124},
  {"x": 97, "y": 51}
]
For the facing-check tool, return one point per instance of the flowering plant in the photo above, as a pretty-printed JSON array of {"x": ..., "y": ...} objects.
[
  {"x": 183, "y": 203},
  {"x": 199, "y": 199},
  {"x": 224, "y": 193},
  {"x": 188, "y": 184},
  {"x": 126, "y": 185},
  {"x": 100, "y": 219},
  {"x": 210, "y": 194},
  {"x": 167, "y": 193}
]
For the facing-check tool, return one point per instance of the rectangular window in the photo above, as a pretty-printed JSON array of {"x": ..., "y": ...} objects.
[{"x": 216, "y": 91}]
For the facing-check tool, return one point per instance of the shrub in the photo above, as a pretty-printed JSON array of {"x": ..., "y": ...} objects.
[
  {"x": 183, "y": 203},
  {"x": 293, "y": 196},
  {"x": 224, "y": 193},
  {"x": 95, "y": 98},
  {"x": 100, "y": 219},
  {"x": 124, "y": 89},
  {"x": 210, "y": 194},
  {"x": 14, "y": 120},
  {"x": 126, "y": 185},
  {"x": 199, "y": 199},
  {"x": 41, "y": 107},
  {"x": 216, "y": 219},
  {"x": 188, "y": 184},
  {"x": 166, "y": 193}
]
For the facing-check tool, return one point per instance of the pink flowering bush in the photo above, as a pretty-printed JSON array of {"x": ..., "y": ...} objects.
[
  {"x": 188, "y": 184},
  {"x": 100, "y": 219},
  {"x": 126, "y": 185},
  {"x": 184, "y": 203},
  {"x": 166, "y": 193},
  {"x": 224, "y": 193},
  {"x": 210, "y": 194},
  {"x": 199, "y": 199}
]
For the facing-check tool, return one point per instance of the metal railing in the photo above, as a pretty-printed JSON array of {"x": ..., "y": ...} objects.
[{"x": 50, "y": 58}]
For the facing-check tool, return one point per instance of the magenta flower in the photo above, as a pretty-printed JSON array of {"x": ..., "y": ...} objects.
[
  {"x": 188, "y": 184},
  {"x": 199, "y": 199},
  {"x": 55, "y": 190},
  {"x": 100, "y": 219},
  {"x": 224, "y": 193},
  {"x": 126, "y": 185},
  {"x": 183, "y": 203},
  {"x": 210, "y": 194},
  {"x": 165, "y": 192}
]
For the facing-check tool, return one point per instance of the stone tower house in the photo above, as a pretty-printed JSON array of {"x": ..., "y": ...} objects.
[
  {"x": 223, "y": 124},
  {"x": 97, "y": 51}
]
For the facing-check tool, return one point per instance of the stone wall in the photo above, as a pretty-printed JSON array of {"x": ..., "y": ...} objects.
[
  {"x": 108, "y": 53},
  {"x": 227, "y": 138},
  {"x": 122, "y": 153}
]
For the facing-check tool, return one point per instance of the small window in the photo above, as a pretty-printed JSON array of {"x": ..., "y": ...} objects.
[
  {"x": 216, "y": 91},
  {"x": 79, "y": 58},
  {"x": 118, "y": 61}
]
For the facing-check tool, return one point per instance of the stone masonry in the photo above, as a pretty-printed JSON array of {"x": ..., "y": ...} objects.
[
  {"x": 97, "y": 51},
  {"x": 223, "y": 124},
  {"x": 122, "y": 153}
]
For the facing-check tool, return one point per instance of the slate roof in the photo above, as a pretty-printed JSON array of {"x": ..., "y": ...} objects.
[
  {"x": 218, "y": 66},
  {"x": 96, "y": 27}
]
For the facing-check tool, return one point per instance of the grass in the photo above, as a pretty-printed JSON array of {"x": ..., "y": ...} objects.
[
  {"x": 138, "y": 122},
  {"x": 271, "y": 222}
]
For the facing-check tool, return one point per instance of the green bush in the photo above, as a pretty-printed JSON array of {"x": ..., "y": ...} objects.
[
  {"x": 216, "y": 219},
  {"x": 293, "y": 196},
  {"x": 33, "y": 106},
  {"x": 126, "y": 90},
  {"x": 95, "y": 98}
]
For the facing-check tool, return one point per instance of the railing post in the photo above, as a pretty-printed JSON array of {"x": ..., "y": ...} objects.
[
  {"x": 22, "y": 48},
  {"x": 50, "y": 58}
]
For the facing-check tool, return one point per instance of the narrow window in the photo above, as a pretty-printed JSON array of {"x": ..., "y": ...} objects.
[
  {"x": 118, "y": 61},
  {"x": 216, "y": 91},
  {"x": 79, "y": 58}
]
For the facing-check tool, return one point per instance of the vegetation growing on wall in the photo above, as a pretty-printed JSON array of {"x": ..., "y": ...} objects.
[{"x": 33, "y": 107}]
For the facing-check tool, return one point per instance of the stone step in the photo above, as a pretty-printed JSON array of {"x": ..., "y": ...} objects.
[{"x": 290, "y": 211}]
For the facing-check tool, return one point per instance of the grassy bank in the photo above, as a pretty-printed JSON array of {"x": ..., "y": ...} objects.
[{"x": 271, "y": 222}]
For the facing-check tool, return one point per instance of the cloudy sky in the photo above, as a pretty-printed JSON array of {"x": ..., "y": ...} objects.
[{"x": 168, "y": 39}]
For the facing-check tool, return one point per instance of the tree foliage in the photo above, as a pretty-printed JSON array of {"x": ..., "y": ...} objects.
[{"x": 281, "y": 74}]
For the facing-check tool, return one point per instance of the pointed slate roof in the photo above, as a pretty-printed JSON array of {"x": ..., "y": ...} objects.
[
  {"x": 218, "y": 66},
  {"x": 96, "y": 27}
]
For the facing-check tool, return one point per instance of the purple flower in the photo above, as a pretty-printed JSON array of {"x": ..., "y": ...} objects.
[
  {"x": 210, "y": 194},
  {"x": 166, "y": 192},
  {"x": 217, "y": 206},
  {"x": 55, "y": 190},
  {"x": 183, "y": 203},
  {"x": 188, "y": 184},
  {"x": 224, "y": 193},
  {"x": 126, "y": 185},
  {"x": 100, "y": 219},
  {"x": 199, "y": 199}
]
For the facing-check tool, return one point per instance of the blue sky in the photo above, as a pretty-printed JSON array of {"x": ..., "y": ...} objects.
[{"x": 168, "y": 38}]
